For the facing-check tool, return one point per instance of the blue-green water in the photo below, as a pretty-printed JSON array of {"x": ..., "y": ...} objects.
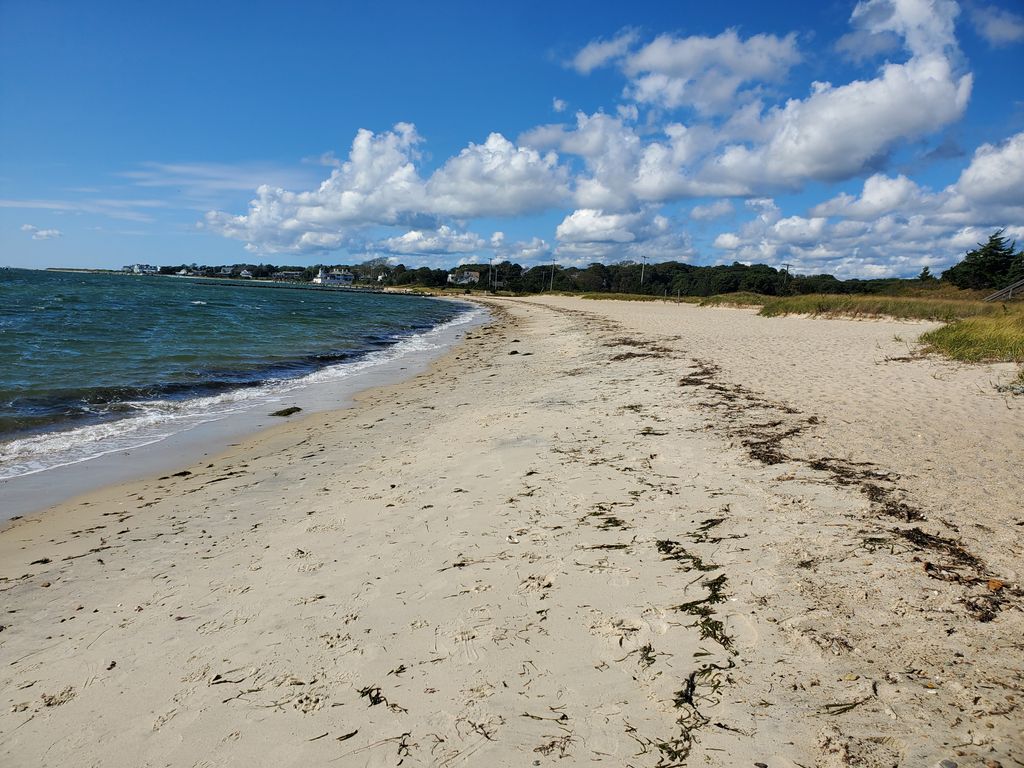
[{"x": 91, "y": 363}]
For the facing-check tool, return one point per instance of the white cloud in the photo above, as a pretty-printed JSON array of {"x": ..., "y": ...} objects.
[
  {"x": 41, "y": 234},
  {"x": 497, "y": 178},
  {"x": 532, "y": 251},
  {"x": 998, "y": 26},
  {"x": 379, "y": 184},
  {"x": 893, "y": 227},
  {"x": 706, "y": 73},
  {"x": 599, "y": 52},
  {"x": 797, "y": 230},
  {"x": 616, "y": 167},
  {"x": 610, "y": 150},
  {"x": 728, "y": 241},
  {"x": 881, "y": 195},
  {"x": 926, "y": 27},
  {"x": 715, "y": 210},
  {"x": 588, "y": 235},
  {"x": 837, "y": 131},
  {"x": 586, "y": 225},
  {"x": 996, "y": 173},
  {"x": 442, "y": 240}
]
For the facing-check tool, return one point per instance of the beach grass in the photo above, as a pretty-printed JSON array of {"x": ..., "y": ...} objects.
[
  {"x": 993, "y": 338},
  {"x": 738, "y": 299},
  {"x": 900, "y": 307},
  {"x": 637, "y": 297}
]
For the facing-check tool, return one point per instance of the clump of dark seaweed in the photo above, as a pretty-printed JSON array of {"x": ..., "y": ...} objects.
[
  {"x": 374, "y": 695},
  {"x": 673, "y": 550},
  {"x": 710, "y": 627}
]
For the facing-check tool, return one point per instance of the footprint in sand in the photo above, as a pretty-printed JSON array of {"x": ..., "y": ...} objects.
[
  {"x": 336, "y": 639},
  {"x": 618, "y": 629},
  {"x": 309, "y": 702}
]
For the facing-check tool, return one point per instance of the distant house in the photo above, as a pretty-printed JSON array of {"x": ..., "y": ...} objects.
[
  {"x": 245, "y": 274},
  {"x": 287, "y": 275},
  {"x": 226, "y": 271},
  {"x": 142, "y": 269},
  {"x": 334, "y": 277},
  {"x": 464, "y": 277},
  {"x": 183, "y": 272}
]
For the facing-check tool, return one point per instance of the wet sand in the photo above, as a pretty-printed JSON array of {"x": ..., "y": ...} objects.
[{"x": 594, "y": 532}]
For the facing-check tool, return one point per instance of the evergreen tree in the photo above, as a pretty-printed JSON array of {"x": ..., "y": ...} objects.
[{"x": 987, "y": 266}]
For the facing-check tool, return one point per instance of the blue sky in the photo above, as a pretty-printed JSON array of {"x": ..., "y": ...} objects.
[{"x": 860, "y": 139}]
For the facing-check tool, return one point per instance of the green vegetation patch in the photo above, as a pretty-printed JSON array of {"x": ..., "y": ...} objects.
[
  {"x": 973, "y": 339},
  {"x": 639, "y": 297},
  {"x": 902, "y": 307},
  {"x": 738, "y": 299}
]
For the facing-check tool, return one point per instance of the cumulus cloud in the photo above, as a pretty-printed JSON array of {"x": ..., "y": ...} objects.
[
  {"x": 998, "y": 26},
  {"x": 379, "y": 184},
  {"x": 706, "y": 73},
  {"x": 497, "y": 178},
  {"x": 926, "y": 27},
  {"x": 41, "y": 234},
  {"x": 837, "y": 131},
  {"x": 881, "y": 195},
  {"x": 616, "y": 169},
  {"x": 727, "y": 241},
  {"x": 996, "y": 173},
  {"x": 533, "y": 251},
  {"x": 587, "y": 235},
  {"x": 591, "y": 226},
  {"x": 893, "y": 227},
  {"x": 444, "y": 239}
]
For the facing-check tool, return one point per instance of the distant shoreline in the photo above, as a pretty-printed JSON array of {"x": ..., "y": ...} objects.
[{"x": 243, "y": 283}]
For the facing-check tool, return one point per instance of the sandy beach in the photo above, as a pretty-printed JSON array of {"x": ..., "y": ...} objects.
[{"x": 633, "y": 534}]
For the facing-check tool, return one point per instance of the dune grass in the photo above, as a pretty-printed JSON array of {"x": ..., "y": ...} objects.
[
  {"x": 738, "y": 299},
  {"x": 975, "y": 339},
  {"x": 901, "y": 307},
  {"x": 636, "y": 297}
]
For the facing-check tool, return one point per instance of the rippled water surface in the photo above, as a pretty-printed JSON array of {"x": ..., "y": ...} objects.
[{"x": 90, "y": 361}]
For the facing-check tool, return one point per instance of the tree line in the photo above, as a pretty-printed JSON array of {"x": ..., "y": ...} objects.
[{"x": 992, "y": 265}]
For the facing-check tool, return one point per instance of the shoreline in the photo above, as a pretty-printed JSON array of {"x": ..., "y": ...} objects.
[
  {"x": 638, "y": 535},
  {"x": 34, "y": 492}
]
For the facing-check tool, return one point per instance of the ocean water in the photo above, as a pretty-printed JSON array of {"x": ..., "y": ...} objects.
[{"x": 91, "y": 364}]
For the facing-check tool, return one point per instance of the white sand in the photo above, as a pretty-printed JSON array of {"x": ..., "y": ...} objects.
[{"x": 492, "y": 564}]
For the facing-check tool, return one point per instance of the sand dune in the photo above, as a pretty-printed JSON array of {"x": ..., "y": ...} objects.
[{"x": 595, "y": 532}]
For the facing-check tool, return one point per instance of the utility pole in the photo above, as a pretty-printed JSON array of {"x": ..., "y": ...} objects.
[
  {"x": 643, "y": 265},
  {"x": 551, "y": 283}
]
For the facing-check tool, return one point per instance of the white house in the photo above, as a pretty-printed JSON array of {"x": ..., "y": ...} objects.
[
  {"x": 246, "y": 274},
  {"x": 334, "y": 277},
  {"x": 463, "y": 278}
]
